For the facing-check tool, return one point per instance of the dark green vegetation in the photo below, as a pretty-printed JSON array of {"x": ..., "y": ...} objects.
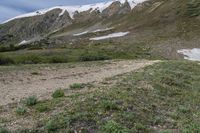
[{"x": 163, "y": 98}]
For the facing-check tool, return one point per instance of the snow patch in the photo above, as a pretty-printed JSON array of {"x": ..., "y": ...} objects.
[
  {"x": 82, "y": 33},
  {"x": 23, "y": 42},
  {"x": 100, "y": 30},
  {"x": 73, "y": 9},
  {"x": 190, "y": 54},
  {"x": 113, "y": 35}
]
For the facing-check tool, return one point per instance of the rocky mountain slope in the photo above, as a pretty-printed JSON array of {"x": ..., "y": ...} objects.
[
  {"x": 34, "y": 25},
  {"x": 157, "y": 27}
]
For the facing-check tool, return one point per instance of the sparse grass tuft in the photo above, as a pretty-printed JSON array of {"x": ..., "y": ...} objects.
[
  {"x": 109, "y": 105},
  {"x": 58, "y": 93},
  {"x": 192, "y": 128},
  {"x": 30, "y": 101},
  {"x": 113, "y": 127},
  {"x": 51, "y": 126},
  {"x": 76, "y": 86},
  {"x": 20, "y": 111},
  {"x": 166, "y": 131},
  {"x": 42, "y": 107}
]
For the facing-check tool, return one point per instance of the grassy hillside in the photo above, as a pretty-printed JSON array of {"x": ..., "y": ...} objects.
[
  {"x": 96, "y": 51},
  {"x": 163, "y": 98}
]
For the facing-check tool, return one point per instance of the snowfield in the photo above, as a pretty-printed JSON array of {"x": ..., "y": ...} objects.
[
  {"x": 113, "y": 35},
  {"x": 190, "y": 54},
  {"x": 73, "y": 9}
]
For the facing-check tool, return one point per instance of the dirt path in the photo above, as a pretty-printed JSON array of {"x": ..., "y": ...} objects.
[{"x": 42, "y": 81}]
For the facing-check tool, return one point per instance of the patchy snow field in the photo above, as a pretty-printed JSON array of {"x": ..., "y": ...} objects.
[
  {"x": 113, "y": 35},
  {"x": 190, "y": 54}
]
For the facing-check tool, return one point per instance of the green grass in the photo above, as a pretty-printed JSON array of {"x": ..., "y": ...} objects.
[
  {"x": 4, "y": 130},
  {"x": 77, "y": 86},
  {"x": 58, "y": 93},
  {"x": 30, "y": 101},
  {"x": 142, "y": 100},
  {"x": 5, "y": 60},
  {"x": 52, "y": 126},
  {"x": 42, "y": 107},
  {"x": 193, "y": 8},
  {"x": 20, "y": 111},
  {"x": 165, "y": 96},
  {"x": 113, "y": 127},
  {"x": 89, "y": 52}
]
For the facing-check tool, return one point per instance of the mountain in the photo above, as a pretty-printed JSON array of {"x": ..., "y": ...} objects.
[
  {"x": 37, "y": 24},
  {"x": 160, "y": 26}
]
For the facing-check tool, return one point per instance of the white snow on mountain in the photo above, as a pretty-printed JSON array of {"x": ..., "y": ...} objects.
[
  {"x": 94, "y": 31},
  {"x": 23, "y": 42},
  {"x": 82, "y": 33},
  {"x": 72, "y": 9},
  {"x": 113, "y": 35},
  {"x": 100, "y": 30},
  {"x": 190, "y": 54}
]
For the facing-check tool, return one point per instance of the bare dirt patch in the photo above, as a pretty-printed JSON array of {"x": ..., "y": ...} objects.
[{"x": 41, "y": 80}]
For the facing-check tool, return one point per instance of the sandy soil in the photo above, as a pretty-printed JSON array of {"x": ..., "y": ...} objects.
[{"x": 17, "y": 84}]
